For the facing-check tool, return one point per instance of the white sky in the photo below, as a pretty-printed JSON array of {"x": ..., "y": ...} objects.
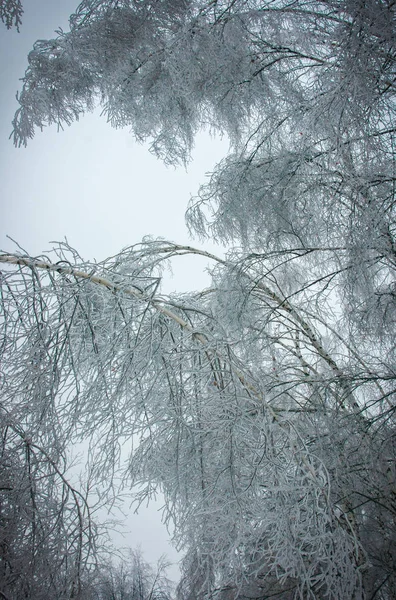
[{"x": 96, "y": 186}]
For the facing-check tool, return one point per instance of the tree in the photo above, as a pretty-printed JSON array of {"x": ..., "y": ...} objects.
[
  {"x": 48, "y": 539},
  {"x": 133, "y": 579},
  {"x": 263, "y": 407}
]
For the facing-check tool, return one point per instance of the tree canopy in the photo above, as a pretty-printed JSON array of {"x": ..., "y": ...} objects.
[{"x": 262, "y": 407}]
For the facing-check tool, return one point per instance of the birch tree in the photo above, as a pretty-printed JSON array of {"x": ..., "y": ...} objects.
[{"x": 262, "y": 408}]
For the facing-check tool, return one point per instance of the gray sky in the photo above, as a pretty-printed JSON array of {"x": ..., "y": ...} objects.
[{"x": 96, "y": 186}]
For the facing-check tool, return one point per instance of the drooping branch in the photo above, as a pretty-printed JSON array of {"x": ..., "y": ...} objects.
[{"x": 259, "y": 287}]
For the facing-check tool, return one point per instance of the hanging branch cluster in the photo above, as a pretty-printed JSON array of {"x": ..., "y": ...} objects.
[
  {"x": 11, "y": 12},
  {"x": 225, "y": 438}
]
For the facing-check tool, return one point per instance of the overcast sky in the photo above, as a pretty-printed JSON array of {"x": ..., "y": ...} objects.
[{"x": 94, "y": 185}]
